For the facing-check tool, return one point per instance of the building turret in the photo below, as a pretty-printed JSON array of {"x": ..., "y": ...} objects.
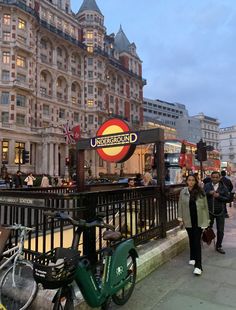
[{"x": 92, "y": 22}]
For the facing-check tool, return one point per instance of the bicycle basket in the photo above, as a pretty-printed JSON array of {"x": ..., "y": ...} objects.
[{"x": 56, "y": 268}]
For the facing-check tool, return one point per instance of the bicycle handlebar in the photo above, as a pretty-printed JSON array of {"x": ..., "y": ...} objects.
[
  {"x": 20, "y": 227},
  {"x": 82, "y": 223}
]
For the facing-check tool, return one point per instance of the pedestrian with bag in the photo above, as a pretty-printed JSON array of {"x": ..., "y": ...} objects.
[
  {"x": 194, "y": 216},
  {"x": 227, "y": 182},
  {"x": 217, "y": 195}
]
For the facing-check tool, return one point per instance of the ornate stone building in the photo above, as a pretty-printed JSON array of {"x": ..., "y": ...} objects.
[{"x": 57, "y": 68}]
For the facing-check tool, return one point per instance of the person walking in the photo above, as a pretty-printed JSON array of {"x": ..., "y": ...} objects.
[
  {"x": 194, "y": 216},
  {"x": 45, "y": 181},
  {"x": 17, "y": 180},
  {"x": 217, "y": 196},
  {"x": 30, "y": 180},
  {"x": 227, "y": 182}
]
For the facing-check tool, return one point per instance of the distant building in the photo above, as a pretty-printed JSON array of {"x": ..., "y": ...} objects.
[
  {"x": 227, "y": 138},
  {"x": 169, "y": 131},
  {"x": 188, "y": 128},
  {"x": 163, "y": 111},
  {"x": 210, "y": 129}
]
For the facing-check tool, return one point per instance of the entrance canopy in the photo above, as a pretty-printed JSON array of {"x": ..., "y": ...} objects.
[{"x": 148, "y": 136}]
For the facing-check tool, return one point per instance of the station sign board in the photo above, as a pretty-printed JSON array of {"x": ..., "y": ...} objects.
[{"x": 114, "y": 141}]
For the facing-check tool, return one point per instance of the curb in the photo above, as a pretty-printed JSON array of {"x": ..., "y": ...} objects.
[{"x": 151, "y": 255}]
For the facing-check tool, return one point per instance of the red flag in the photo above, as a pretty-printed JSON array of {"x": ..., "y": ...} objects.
[{"x": 76, "y": 132}]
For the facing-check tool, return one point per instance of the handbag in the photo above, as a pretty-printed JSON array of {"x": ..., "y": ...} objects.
[{"x": 208, "y": 235}]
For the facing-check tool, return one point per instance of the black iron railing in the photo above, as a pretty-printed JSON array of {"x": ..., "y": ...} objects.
[{"x": 141, "y": 213}]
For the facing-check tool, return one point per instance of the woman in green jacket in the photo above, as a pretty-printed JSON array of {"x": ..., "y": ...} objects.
[{"x": 194, "y": 216}]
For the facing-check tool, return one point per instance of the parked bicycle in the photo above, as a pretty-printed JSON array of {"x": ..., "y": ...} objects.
[
  {"x": 113, "y": 278},
  {"x": 17, "y": 285}
]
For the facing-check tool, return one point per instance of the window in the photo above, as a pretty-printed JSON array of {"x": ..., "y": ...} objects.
[
  {"x": 43, "y": 91},
  {"x": 90, "y": 119},
  {"x": 21, "y": 78},
  {"x": 21, "y": 61},
  {"x": 90, "y": 74},
  {"x": 5, "y": 117},
  {"x": 62, "y": 113},
  {"x": 90, "y": 61},
  {"x": 99, "y": 91},
  {"x": 90, "y": 89},
  {"x": 20, "y": 101},
  {"x": 59, "y": 51},
  {"x": 6, "y": 57},
  {"x": 43, "y": 77},
  {"x": 5, "y": 150},
  {"x": 43, "y": 44},
  {"x": 6, "y": 19},
  {"x": 73, "y": 87},
  {"x": 111, "y": 99},
  {"x": 99, "y": 64},
  {"x": 20, "y": 119},
  {"x": 19, "y": 146},
  {"x": 5, "y": 75},
  {"x": 89, "y": 35},
  {"x": 73, "y": 99},
  {"x": 5, "y": 98},
  {"x": 90, "y": 47},
  {"x": 90, "y": 102},
  {"x": 46, "y": 111},
  {"x": 21, "y": 24},
  {"x": 6, "y": 36},
  {"x": 76, "y": 117}
]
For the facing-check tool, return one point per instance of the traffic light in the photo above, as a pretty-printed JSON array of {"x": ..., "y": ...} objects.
[
  {"x": 201, "y": 151},
  {"x": 67, "y": 161},
  {"x": 25, "y": 157}
]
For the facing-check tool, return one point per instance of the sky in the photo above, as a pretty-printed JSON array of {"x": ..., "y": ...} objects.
[{"x": 188, "y": 50}]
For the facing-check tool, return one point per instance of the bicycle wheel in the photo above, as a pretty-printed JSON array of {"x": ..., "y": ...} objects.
[
  {"x": 18, "y": 295},
  {"x": 122, "y": 296}
]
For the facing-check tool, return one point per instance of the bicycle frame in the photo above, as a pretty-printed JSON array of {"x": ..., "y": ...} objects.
[
  {"x": 113, "y": 278},
  {"x": 18, "y": 250}
]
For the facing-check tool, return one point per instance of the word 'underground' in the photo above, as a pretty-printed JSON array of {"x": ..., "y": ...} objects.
[{"x": 119, "y": 139}]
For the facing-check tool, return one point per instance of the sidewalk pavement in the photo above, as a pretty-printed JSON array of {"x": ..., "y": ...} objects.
[{"x": 173, "y": 285}]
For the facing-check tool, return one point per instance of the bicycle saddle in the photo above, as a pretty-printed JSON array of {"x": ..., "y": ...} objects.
[{"x": 111, "y": 235}]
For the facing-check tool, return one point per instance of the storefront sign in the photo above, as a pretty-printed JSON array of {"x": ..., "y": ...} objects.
[{"x": 114, "y": 141}]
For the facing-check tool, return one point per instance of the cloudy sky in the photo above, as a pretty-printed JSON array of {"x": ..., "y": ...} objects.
[{"x": 188, "y": 49}]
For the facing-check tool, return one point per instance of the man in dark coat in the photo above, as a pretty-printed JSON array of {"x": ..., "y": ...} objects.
[
  {"x": 227, "y": 182},
  {"x": 17, "y": 180},
  {"x": 217, "y": 195}
]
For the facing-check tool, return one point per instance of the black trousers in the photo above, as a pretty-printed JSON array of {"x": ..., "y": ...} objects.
[
  {"x": 194, "y": 235},
  {"x": 220, "y": 226}
]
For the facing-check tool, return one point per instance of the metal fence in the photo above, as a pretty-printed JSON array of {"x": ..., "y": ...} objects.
[{"x": 141, "y": 213}]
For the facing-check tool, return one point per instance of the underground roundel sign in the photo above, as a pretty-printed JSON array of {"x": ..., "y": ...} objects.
[{"x": 114, "y": 141}]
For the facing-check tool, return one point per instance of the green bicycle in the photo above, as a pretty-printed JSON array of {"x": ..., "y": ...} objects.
[{"x": 58, "y": 268}]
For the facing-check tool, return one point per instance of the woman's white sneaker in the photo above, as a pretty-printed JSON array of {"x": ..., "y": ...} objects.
[
  {"x": 197, "y": 271},
  {"x": 192, "y": 262}
]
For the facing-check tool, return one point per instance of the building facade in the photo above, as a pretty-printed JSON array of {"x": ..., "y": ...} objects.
[
  {"x": 210, "y": 129},
  {"x": 59, "y": 68},
  {"x": 163, "y": 111},
  {"x": 188, "y": 128},
  {"x": 227, "y": 147}
]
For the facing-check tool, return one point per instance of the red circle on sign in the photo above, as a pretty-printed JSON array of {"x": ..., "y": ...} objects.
[{"x": 113, "y": 153}]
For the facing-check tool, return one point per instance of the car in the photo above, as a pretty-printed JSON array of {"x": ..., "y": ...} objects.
[
  {"x": 123, "y": 181},
  {"x": 2, "y": 184}
]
